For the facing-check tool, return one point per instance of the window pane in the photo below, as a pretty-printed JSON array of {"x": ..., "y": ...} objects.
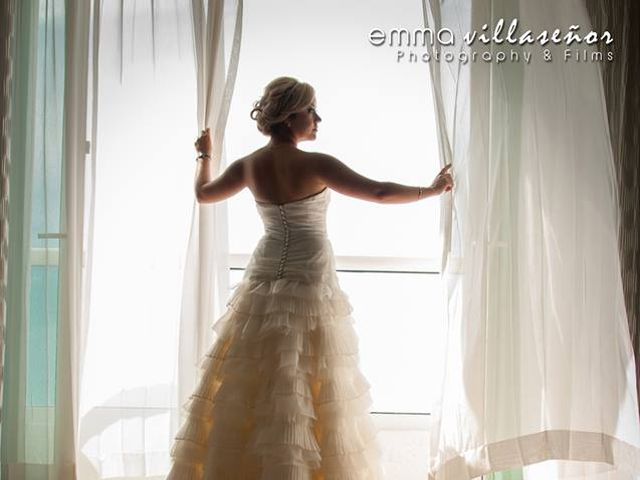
[
  {"x": 42, "y": 321},
  {"x": 377, "y": 116},
  {"x": 398, "y": 318},
  {"x": 47, "y": 131},
  {"x": 42, "y": 335}
]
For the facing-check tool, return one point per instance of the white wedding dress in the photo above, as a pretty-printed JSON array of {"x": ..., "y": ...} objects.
[{"x": 281, "y": 395}]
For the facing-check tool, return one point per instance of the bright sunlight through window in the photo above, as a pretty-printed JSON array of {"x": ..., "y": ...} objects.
[{"x": 377, "y": 117}]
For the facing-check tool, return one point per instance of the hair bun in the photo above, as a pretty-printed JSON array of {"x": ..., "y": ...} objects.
[
  {"x": 255, "y": 113},
  {"x": 282, "y": 97}
]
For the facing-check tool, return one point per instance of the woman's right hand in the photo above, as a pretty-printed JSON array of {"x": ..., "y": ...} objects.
[
  {"x": 443, "y": 181},
  {"x": 204, "y": 143}
]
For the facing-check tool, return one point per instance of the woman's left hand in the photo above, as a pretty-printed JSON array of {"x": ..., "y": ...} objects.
[
  {"x": 204, "y": 143},
  {"x": 443, "y": 181}
]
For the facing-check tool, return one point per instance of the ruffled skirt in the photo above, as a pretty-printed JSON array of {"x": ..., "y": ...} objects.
[{"x": 281, "y": 395}]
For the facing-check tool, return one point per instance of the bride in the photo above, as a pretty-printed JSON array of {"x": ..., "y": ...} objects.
[{"x": 281, "y": 395}]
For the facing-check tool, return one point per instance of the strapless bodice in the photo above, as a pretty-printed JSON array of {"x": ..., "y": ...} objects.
[
  {"x": 302, "y": 217},
  {"x": 295, "y": 243}
]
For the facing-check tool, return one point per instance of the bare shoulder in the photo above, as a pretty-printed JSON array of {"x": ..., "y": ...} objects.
[
  {"x": 242, "y": 162},
  {"x": 251, "y": 156},
  {"x": 322, "y": 163}
]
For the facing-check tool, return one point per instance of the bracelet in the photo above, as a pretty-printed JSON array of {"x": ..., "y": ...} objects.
[
  {"x": 419, "y": 193},
  {"x": 203, "y": 155}
]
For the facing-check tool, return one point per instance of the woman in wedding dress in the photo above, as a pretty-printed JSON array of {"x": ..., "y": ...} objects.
[{"x": 281, "y": 395}]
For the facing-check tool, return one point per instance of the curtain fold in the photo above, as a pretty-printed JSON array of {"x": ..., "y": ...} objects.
[
  {"x": 622, "y": 92},
  {"x": 206, "y": 278},
  {"x": 42, "y": 366},
  {"x": 152, "y": 301},
  {"x": 75, "y": 220},
  {"x": 12, "y": 452},
  {"x": 7, "y": 23},
  {"x": 539, "y": 364}
]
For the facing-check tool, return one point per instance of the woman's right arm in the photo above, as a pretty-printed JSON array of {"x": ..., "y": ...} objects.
[{"x": 342, "y": 179}]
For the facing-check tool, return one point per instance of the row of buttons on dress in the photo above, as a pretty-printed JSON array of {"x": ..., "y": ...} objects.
[{"x": 285, "y": 247}]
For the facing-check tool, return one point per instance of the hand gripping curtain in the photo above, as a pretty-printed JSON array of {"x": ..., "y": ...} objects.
[
  {"x": 206, "y": 280},
  {"x": 539, "y": 364}
]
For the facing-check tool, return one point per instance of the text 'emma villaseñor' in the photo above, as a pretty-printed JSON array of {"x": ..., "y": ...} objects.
[{"x": 403, "y": 37}]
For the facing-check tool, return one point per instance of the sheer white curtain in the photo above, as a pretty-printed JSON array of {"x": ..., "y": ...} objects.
[
  {"x": 76, "y": 219},
  {"x": 539, "y": 364},
  {"x": 206, "y": 280},
  {"x": 158, "y": 257}
]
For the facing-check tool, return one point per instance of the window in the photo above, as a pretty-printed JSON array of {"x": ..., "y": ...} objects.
[
  {"x": 378, "y": 118},
  {"x": 45, "y": 211},
  {"x": 36, "y": 196}
]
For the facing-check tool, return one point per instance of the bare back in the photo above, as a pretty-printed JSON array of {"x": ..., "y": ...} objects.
[{"x": 281, "y": 175}]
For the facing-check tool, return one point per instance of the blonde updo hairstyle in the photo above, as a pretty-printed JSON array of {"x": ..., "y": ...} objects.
[{"x": 281, "y": 98}]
